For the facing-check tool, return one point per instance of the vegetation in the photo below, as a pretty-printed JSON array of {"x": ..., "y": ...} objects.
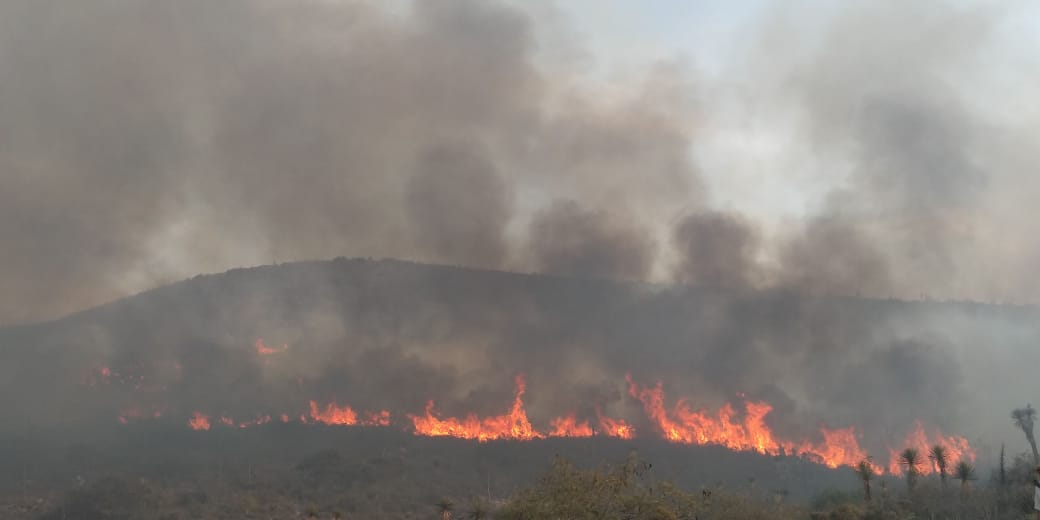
[
  {"x": 941, "y": 459},
  {"x": 910, "y": 460},
  {"x": 865, "y": 472},
  {"x": 629, "y": 491},
  {"x": 964, "y": 472},
  {"x": 1024, "y": 419},
  {"x": 405, "y": 477}
]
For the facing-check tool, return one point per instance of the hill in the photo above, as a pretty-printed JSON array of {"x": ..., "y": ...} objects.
[{"x": 391, "y": 335}]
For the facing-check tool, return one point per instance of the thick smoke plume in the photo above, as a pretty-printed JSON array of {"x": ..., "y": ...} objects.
[{"x": 147, "y": 141}]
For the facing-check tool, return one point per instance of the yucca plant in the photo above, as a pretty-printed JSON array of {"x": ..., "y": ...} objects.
[
  {"x": 865, "y": 471},
  {"x": 1025, "y": 418},
  {"x": 444, "y": 508},
  {"x": 941, "y": 458},
  {"x": 964, "y": 472},
  {"x": 910, "y": 459}
]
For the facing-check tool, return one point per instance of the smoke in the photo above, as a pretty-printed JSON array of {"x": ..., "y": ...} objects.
[
  {"x": 566, "y": 239},
  {"x": 459, "y": 207},
  {"x": 831, "y": 255},
  {"x": 717, "y": 249},
  {"x": 148, "y": 141}
]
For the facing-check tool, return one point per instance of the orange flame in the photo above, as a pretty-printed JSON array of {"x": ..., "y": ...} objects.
[
  {"x": 741, "y": 428},
  {"x": 684, "y": 426},
  {"x": 956, "y": 447},
  {"x": 570, "y": 427},
  {"x": 199, "y": 422},
  {"x": 332, "y": 414},
  {"x": 615, "y": 427},
  {"x": 345, "y": 416},
  {"x": 380, "y": 418},
  {"x": 264, "y": 350},
  {"x": 513, "y": 425}
]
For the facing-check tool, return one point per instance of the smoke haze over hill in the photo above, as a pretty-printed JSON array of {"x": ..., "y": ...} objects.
[{"x": 147, "y": 141}]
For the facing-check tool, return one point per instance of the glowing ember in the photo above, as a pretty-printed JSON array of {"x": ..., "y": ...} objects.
[
  {"x": 199, "y": 422},
  {"x": 570, "y": 427},
  {"x": 264, "y": 350},
  {"x": 513, "y": 425},
  {"x": 138, "y": 413}
]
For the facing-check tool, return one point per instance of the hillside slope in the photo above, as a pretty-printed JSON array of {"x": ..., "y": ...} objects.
[{"x": 392, "y": 335}]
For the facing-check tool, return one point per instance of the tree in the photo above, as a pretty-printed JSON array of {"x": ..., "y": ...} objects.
[
  {"x": 1002, "y": 475},
  {"x": 444, "y": 508},
  {"x": 1025, "y": 418},
  {"x": 910, "y": 459},
  {"x": 865, "y": 471},
  {"x": 941, "y": 458}
]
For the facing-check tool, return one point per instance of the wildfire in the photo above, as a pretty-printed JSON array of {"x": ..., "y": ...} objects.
[
  {"x": 741, "y": 428},
  {"x": 346, "y": 416},
  {"x": 264, "y": 350},
  {"x": 685, "y": 426},
  {"x": 135, "y": 412},
  {"x": 957, "y": 448},
  {"x": 513, "y": 425},
  {"x": 570, "y": 427},
  {"x": 199, "y": 422},
  {"x": 615, "y": 427}
]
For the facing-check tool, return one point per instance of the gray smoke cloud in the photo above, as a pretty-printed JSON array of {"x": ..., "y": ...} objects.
[
  {"x": 173, "y": 139},
  {"x": 717, "y": 249},
  {"x": 567, "y": 239},
  {"x": 458, "y": 207}
]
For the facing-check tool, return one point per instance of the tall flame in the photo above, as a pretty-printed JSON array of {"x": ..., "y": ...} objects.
[
  {"x": 513, "y": 425},
  {"x": 685, "y": 426}
]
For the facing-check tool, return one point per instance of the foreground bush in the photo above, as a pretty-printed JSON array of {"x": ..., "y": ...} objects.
[{"x": 629, "y": 492}]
